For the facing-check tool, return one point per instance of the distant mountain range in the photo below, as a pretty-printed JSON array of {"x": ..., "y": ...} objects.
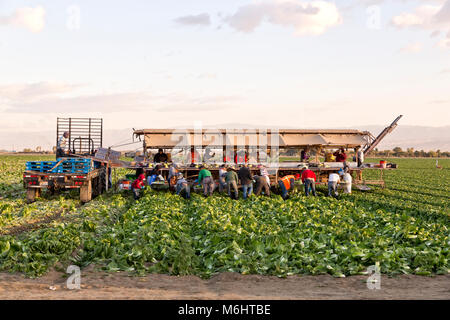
[{"x": 417, "y": 137}]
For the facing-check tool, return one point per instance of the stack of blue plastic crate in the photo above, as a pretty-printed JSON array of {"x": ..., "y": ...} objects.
[{"x": 68, "y": 165}]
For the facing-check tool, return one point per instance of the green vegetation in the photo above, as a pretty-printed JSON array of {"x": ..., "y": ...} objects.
[{"x": 404, "y": 227}]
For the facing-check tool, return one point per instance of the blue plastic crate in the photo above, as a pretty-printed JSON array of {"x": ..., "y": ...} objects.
[
  {"x": 75, "y": 166},
  {"x": 40, "y": 166},
  {"x": 70, "y": 165}
]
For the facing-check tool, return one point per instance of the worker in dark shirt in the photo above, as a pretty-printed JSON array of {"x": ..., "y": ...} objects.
[
  {"x": 304, "y": 155},
  {"x": 160, "y": 157},
  {"x": 246, "y": 180}
]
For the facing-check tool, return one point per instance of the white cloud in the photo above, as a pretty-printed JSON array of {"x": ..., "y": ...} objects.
[
  {"x": 428, "y": 17},
  {"x": 421, "y": 17},
  {"x": 412, "y": 48},
  {"x": 306, "y": 17},
  {"x": 34, "y": 91},
  {"x": 47, "y": 98},
  {"x": 29, "y": 18},
  {"x": 202, "y": 19}
]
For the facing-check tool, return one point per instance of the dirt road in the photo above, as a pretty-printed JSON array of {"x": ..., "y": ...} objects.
[{"x": 101, "y": 285}]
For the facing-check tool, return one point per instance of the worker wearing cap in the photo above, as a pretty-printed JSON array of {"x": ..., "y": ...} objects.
[
  {"x": 62, "y": 148},
  {"x": 232, "y": 181},
  {"x": 309, "y": 181},
  {"x": 205, "y": 178},
  {"x": 333, "y": 180},
  {"x": 182, "y": 187},
  {"x": 286, "y": 184},
  {"x": 137, "y": 185}
]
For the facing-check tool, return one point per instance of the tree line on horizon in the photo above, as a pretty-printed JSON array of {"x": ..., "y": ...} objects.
[{"x": 409, "y": 152}]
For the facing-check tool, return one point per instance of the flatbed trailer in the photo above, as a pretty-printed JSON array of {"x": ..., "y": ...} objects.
[
  {"x": 78, "y": 167},
  {"x": 91, "y": 184}
]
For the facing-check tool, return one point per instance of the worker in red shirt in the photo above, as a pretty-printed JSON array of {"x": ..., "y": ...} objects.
[
  {"x": 286, "y": 184},
  {"x": 137, "y": 185},
  {"x": 340, "y": 155},
  {"x": 309, "y": 181}
]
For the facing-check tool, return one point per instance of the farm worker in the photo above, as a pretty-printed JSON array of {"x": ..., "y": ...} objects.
[
  {"x": 232, "y": 180},
  {"x": 261, "y": 183},
  {"x": 205, "y": 178},
  {"x": 309, "y": 180},
  {"x": 137, "y": 185},
  {"x": 62, "y": 148},
  {"x": 286, "y": 184},
  {"x": 182, "y": 187},
  {"x": 222, "y": 174},
  {"x": 340, "y": 155},
  {"x": 246, "y": 181},
  {"x": 172, "y": 178},
  {"x": 263, "y": 172},
  {"x": 153, "y": 175},
  {"x": 304, "y": 155},
  {"x": 359, "y": 156},
  {"x": 333, "y": 180},
  {"x": 347, "y": 179},
  {"x": 160, "y": 156}
]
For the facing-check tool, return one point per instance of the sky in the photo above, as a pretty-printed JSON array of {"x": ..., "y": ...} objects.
[{"x": 172, "y": 63}]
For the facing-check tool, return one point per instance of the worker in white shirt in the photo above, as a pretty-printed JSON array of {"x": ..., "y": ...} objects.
[
  {"x": 359, "y": 156},
  {"x": 62, "y": 149},
  {"x": 222, "y": 175},
  {"x": 333, "y": 180},
  {"x": 347, "y": 179}
]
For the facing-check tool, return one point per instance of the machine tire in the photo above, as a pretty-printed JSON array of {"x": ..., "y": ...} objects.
[{"x": 102, "y": 181}]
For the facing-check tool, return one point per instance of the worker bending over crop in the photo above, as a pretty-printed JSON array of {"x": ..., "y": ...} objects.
[
  {"x": 333, "y": 180},
  {"x": 205, "y": 178},
  {"x": 287, "y": 183},
  {"x": 309, "y": 181},
  {"x": 231, "y": 179},
  {"x": 137, "y": 186},
  {"x": 182, "y": 187},
  {"x": 347, "y": 180},
  {"x": 222, "y": 174},
  {"x": 172, "y": 178},
  {"x": 246, "y": 181},
  {"x": 261, "y": 184}
]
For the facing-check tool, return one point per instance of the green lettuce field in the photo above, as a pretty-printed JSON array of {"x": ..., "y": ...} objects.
[{"x": 405, "y": 228}]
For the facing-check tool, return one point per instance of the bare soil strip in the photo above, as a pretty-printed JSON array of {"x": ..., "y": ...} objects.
[{"x": 111, "y": 286}]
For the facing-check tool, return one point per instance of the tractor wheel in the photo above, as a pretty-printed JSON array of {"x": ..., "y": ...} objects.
[
  {"x": 102, "y": 181},
  {"x": 32, "y": 194}
]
